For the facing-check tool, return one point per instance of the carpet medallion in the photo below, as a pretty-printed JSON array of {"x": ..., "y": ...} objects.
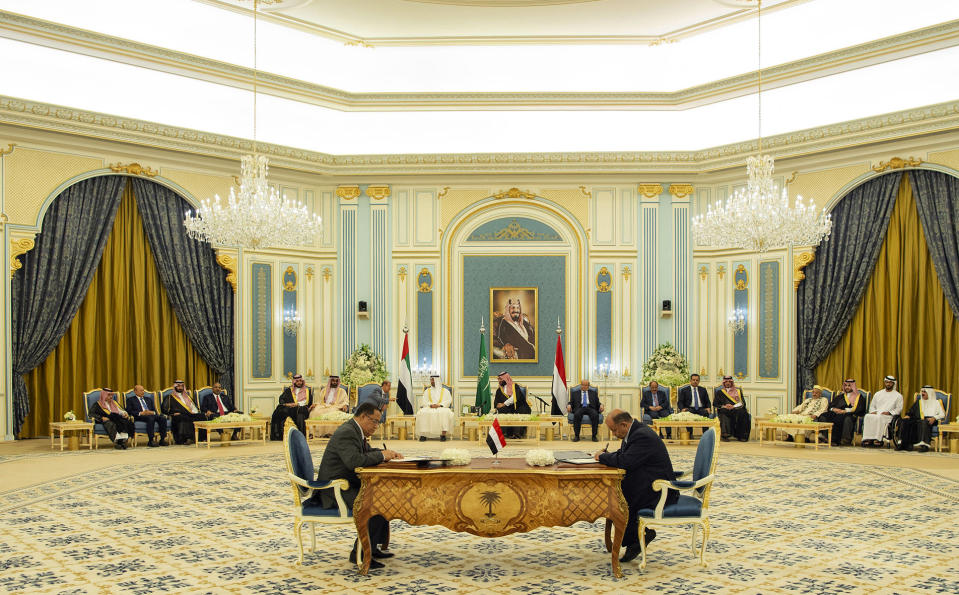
[{"x": 224, "y": 525}]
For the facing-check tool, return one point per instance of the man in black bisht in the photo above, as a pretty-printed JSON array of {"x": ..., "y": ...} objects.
[{"x": 295, "y": 403}]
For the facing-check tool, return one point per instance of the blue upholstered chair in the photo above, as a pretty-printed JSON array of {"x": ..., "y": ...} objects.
[
  {"x": 946, "y": 399},
  {"x": 664, "y": 392},
  {"x": 825, "y": 392},
  {"x": 299, "y": 467},
  {"x": 89, "y": 398},
  {"x": 569, "y": 416},
  {"x": 365, "y": 393},
  {"x": 691, "y": 509},
  {"x": 140, "y": 427}
]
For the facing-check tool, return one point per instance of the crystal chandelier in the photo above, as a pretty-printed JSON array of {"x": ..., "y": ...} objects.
[
  {"x": 256, "y": 216},
  {"x": 758, "y": 217}
]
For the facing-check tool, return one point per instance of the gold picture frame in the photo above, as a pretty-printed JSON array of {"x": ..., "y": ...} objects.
[{"x": 515, "y": 341}]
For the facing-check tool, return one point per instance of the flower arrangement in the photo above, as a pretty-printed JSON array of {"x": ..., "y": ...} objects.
[
  {"x": 685, "y": 416},
  {"x": 364, "y": 366},
  {"x": 254, "y": 410},
  {"x": 334, "y": 416},
  {"x": 232, "y": 417},
  {"x": 540, "y": 458},
  {"x": 512, "y": 416},
  {"x": 772, "y": 411},
  {"x": 792, "y": 418},
  {"x": 456, "y": 456},
  {"x": 70, "y": 416},
  {"x": 666, "y": 366}
]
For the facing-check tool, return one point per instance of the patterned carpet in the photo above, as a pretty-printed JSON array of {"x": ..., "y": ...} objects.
[{"x": 224, "y": 526}]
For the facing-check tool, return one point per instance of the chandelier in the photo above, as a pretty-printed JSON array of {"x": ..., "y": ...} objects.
[
  {"x": 256, "y": 216},
  {"x": 758, "y": 217}
]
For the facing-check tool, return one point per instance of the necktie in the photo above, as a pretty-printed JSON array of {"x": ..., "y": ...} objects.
[
  {"x": 656, "y": 399},
  {"x": 219, "y": 404},
  {"x": 585, "y": 399},
  {"x": 143, "y": 405},
  {"x": 695, "y": 398}
]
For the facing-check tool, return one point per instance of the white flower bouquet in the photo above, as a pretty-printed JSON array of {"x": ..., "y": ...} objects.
[
  {"x": 70, "y": 416},
  {"x": 334, "y": 416},
  {"x": 540, "y": 458},
  {"x": 666, "y": 366},
  {"x": 456, "y": 456},
  {"x": 792, "y": 418},
  {"x": 511, "y": 416},
  {"x": 232, "y": 417},
  {"x": 363, "y": 367},
  {"x": 685, "y": 416},
  {"x": 772, "y": 411}
]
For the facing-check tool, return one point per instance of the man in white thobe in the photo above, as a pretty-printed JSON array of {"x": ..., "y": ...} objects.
[
  {"x": 885, "y": 404},
  {"x": 435, "y": 418}
]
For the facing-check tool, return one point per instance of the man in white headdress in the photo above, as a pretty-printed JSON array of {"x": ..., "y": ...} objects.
[
  {"x": 435, "y": 418},
  {"x": 513, "y": 334},
  {"x": 885, "y": 404},
  {"x": 332, "y": 398},
  {"x": 917, "y": 424}
]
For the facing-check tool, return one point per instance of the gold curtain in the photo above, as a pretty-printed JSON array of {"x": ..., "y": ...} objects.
[
  {"x": 125, "y": 333},
  {"x": 904, "y": 325}
]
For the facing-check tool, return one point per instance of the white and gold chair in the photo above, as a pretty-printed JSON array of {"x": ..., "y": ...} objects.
[
  {"x": 299, "y": 467},
  {"x": 692, "y": 509}
]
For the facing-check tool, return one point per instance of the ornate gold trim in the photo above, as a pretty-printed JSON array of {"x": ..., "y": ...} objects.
[
  {"x": 792, "y": 177},
  {"x": 134, "y": 169},
  {"x": 19, "y": 247},
  {"x": 515, "y": 193},
  {"x": 348, "y": 192},
  {"x": 603, "y": 286},
  {"x": 228, "y": 261},
  {"x": 442, "y": 194},
  {"x": 742, "y": 284},
  {"x": 800, "y": 261},
  {"x": 8, "y": 150},
  {"x": 586, "y": 193},
  {"x": 740, "y": 376},
  {"x": 309, "y": 273},
  {"x": 289, "y": 285},
  {"x": 896, "y": 163},
  {"x": 680, "y": 190},
  {"x": 650, "y": 190},
  {"x": 425, "y": 286},
  {"x": 703, "y": 272},
  {"x": 626, "y": 275},
  {"x": 662, "y": 41},
  {"x": 327, "y": 273},
  {"x": 721, "y": 271},
  {"x": 378, "y": 192},
  {"x": 402, "y": 274},
  {"x": 702, "y": 371}
]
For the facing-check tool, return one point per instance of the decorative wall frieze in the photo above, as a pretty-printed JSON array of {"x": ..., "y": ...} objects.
[
  {"x": 800, "y": 261},
  {"x": 134, "y": 169},
  {"x": 228, "y": 259},
  {"x": 19, "y": 247},
  {"x": 378, "y": 192},
  {"x": 650, "y": 190},
  {"x": 348, "y": 192},
  {"x": 515, "y": 193},
  {"x": 896, "y": 163},
  {"x": 680, "y": 191}
]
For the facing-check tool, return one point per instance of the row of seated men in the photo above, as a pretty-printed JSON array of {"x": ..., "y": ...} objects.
[
  {"x": 848, "y": 406},
  {"x": 179, "y": 410}
]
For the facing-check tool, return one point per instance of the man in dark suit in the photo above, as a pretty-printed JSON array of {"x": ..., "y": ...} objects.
[
  {"x": 655, "y": 404},
  {"x": 295, "y": 403},
  {"x": 347, "y": 450},
  {"x": 693, "y": 398},
  {"x": 584, "y": 400},
  {"x": 643, "y": 455},
  {"x": 217, "y": 403},
  {"x": 141, "y": 407}
]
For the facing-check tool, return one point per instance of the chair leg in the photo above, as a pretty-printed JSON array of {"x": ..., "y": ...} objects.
[
  {"x": 702, "y": 551},
  {"x": 642, "y": 545},
  {"x": 313, "y": 540},
  {"x": 692, "y": 541},
  {"x": 297, "y": 525}
]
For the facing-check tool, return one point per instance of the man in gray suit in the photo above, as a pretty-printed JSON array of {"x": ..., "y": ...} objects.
[{"x": 347, "y": 450}]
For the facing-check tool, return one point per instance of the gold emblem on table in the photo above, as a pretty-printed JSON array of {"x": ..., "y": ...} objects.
[{"x": 489, "y": 507}]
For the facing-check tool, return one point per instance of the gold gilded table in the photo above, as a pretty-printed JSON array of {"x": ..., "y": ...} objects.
[
  {"x": 263, "y": 425},
  {"x": 943, "y": 430},
  {"x": 60, "y": 427},
  {"x": 492, "y": 500},
  {"x": 815, "y": 427},
  {"x": 681, "y": 426}
]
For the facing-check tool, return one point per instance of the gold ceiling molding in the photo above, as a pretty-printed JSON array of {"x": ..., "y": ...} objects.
[
  {"x": 79, "y": 41},
  {"x": 875, "y": 129},
  {"x": 378, "y": 192},
  {"x": 515, "y": 193},
  {"x": 800, "y": 260},
  {"x": 680, "y": 190},
  {"x": 348, "y": 192},
  {"x": 650, "y": 190},
  {"x": 896, "y": 163},
  {"x": 19, "y": 247},
  {"x": 134, "y": 169},
  {"x": 228, "y": 260}
]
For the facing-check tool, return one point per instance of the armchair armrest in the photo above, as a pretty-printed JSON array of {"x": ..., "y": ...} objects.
[
  {"x": 679, "y": 486},
  {"x": 336, "y": 484}
]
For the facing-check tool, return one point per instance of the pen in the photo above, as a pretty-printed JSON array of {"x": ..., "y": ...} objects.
[
  {"x": 384, "y": 446},
  {"x": 606, "y": 448}
]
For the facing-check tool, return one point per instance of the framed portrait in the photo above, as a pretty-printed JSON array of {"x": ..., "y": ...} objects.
[{"x": 513, "y": 312}]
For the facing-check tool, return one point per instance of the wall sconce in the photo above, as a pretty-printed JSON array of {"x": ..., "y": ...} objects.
[
  {"x": 291, "y": 323},
  {"x": 737, "y": 321}
]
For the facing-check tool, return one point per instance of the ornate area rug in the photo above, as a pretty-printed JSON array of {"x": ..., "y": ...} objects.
[{"x": 779, "y": 525}]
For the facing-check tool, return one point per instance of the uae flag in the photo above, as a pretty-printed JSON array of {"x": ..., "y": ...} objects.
[
  {"x": 560, "y": 396},
  {"x": 405, "y": 389},
  {"x": 495, "y": 439}
]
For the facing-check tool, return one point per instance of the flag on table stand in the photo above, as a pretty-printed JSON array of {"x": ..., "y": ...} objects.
[
  {"x": 405, "y": 388},
  {"x": 482, "y": 378},
  {"x": 560, "y": 394},
  {"x": 495, "y": 439}
]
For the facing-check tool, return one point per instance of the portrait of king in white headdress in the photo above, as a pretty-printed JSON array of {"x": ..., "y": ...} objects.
[{"x": 513, "y": 313}]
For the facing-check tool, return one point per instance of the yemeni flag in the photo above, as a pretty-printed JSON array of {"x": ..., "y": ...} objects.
[
  {"x": 405, "y": 389},
  {"x": 495, "y": 439},
  {"x": 560, "y": 395},
  {"x": 482, "y": 380}
]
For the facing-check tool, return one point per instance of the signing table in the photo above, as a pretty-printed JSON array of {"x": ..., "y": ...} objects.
[
  {"x": 262, "y": 425},
  {"x": 682, "y": 427},
  {"x": 492, "y": 500},
  {"x": 60, "y": 427},
  {"x": 800, "y": 429}
]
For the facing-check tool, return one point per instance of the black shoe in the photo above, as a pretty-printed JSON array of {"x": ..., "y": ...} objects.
[
  {"x": 153, "y": 444},
  {"x": 724, "y": 438},
  {"x": 631, "y": 552},
  {"x": 575, "y": 438},
  {"x": 117, "y": 446},
  {"x": 595, "y": 439},
  {"x": 122, "y": 444},
  {"x": 789, "y": 438},
  {"x": 163, "y": 442},
  {"x": 846, "y": 442},
  {"x": 443, "y": 438},
  {"x": 650, "y": 535},
  {"x": 378, "y": 553},
  {"x": 923, "y": 448},
  {"x": 422, "y": 438},
  {"x": 743, "y": 439},
  {"x": 373, "y": 563}
]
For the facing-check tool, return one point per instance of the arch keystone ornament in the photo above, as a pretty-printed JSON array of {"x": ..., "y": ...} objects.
[
  {"x": 896, "y": 163},
  {"x": 515, "y": 193},
  {"x": 134, "y": 169}
]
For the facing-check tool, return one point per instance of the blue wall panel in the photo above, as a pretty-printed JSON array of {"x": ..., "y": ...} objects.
[
  {"x": 424, "y": 319},
  {"x": 604, "y": 315},
  {"x": 289, "y": 310},
  {"x": 262, "y": 322},
  {"x": 741, "y": 304},
  {"x": 346, "y": 262},
  {"x": 546, "y": 272},
  {"x": 769, "y": 319}
]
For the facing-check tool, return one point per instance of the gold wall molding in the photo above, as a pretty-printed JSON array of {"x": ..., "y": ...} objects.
[
  {"x": 626, "y": 274},
  {"x": 721, "y": 271},
  {"x": 800, "y": 261},
  {"x": 742, "y": 284},
  {"x": 603, "y": 286},
  {"x": 378, "y": 192},
  {"x": 680, "y": 191},
  {"x": 19, "y": 247},
  {"x": 309, "y": 272},
  {"x": 228, "y": 260},
  {"x": 650, "y": 190},
  {"x": 792, "y": 178},
  {"x": 425, "y": 281},
  {"x": 702, "y": 273},
  {"x": 587, "y": 194},
  {"x": 8, "y": 150},
  {"x": 327, "y": 274},
  {"x": 442, "y": 193},
  {"x": 896, "y": 163},
  {"x": 348, "y": 192},
  {"x": 134, "y": 169},
  {"x": 515, "y": 193},
  {"x": 402, "y": 274}
]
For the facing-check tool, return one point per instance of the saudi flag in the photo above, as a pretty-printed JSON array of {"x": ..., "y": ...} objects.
[
  {"x": 482, "y": 378},
  {"x": 405, "y": 389}
]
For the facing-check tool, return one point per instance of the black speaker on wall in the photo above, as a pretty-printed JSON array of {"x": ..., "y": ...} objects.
[
  {"x": 361, "y": 307},
  {"x": 667, "y": 306}
]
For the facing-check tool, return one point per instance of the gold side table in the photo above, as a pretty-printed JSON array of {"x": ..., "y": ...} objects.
[{"x": 62, "y": 427}]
